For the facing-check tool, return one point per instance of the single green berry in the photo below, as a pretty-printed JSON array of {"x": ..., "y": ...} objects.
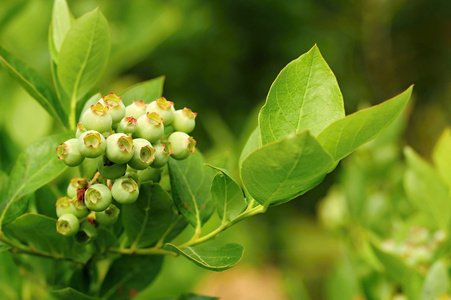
[
  {"x": 184, "y": 120},
  {"x": 116, "y": 107},
  {"x": 109, "y": 216},
  {"x": 164, "y": 108},
  {"x": 136, "y": 109},
  {"x": 91, "y": 144},
  {"x": 150, "y": 127},
  {"x": 74, "y": 184},
  {"x": 125, "y": 190},
  {"x": 80, "y": 129},
  {"x": 98, "y": 197},
  {"x": 64, "y": 206},
  {"x": 162, "y": 152},
  {"x": 86, "y": 233},
  {"x": 127, "y": 125},
  {"x": 119, "y": 148},
  {"x": 68, "y": 152},
  {"x": 80, "y": 209},
  {"x": 109, "y": 169},
  {"x": 143, "y": 154},
  {"x": 67, "y": 225},
  {"x": 97, "y": 118},
  {"x": 131, "y": 173},
  {"x": 182, "y": 145},
  {"x": 149, "y": 175}
]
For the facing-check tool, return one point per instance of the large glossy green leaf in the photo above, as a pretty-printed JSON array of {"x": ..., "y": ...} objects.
[
  {"x": 345, "y": 135},
  {"x": 147, "y": 91},
  {"x": 252, "y": 143},
  {"x": 84, "y": 54},
  {"x": 436, "y": 281},
  {"x": 130, "y": 274},
  {"x": 227, "y": 195},
  {"x": 39, "y": 232},
  {"x": 425, "y": 188},
  {"x": 441, "y": 156},
  {"x": 304, "y": 96},
  {"x": 146, "y": 220},
  {"x": 36, "y": 166},
  {"x": 211, "y": 258},
  {"x": 72, "y": 294},
  {"x": 61, "y": 22},
  {"x": 190, "y": 182},
  {"x": 280, "y": 171},
  {"x": 34, "y": 84}
]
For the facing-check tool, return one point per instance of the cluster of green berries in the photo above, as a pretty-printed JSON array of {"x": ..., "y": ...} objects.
[
  {"x": 131, "y": 144},
  {"x": 417, "y": 248}
]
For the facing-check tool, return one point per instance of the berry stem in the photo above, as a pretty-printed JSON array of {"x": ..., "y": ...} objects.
[{"x": 96, "y": 176}]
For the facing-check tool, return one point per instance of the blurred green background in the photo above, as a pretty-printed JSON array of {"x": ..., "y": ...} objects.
[{"x": 220, "y": 58}]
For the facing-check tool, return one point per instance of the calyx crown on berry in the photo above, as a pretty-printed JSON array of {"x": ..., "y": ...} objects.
[{"x": 99, "y": 109}]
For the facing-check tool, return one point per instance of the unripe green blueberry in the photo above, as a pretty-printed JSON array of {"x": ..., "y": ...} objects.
[
  {"x": 184, "y": 120},
  {"x": 143, "y": 154},
  {"x": 86, "y": 233},
  {"x": 91, "y": 144},
  {"x": 127, "y": 125},
  {"x": 136, "y": 109},
  {"x": 98, "y": 197},
  {"x": 125, "y": 190},
  {"x": 116, "y": 107},
  {"x": 164, "y": 108},
  {"x": 131, "y": 173},
  {"x": 119, "y": 148},
  {"x": 63, "y": 206},
  {"x": 150, "y": 127},
  {"x": 109, "y": 216},
  {"x": 74, "y": 184},
  {"x": 162, "y": 152},
  {"x": 67, "y": 225},
  {"x": 149, "y": 175},
  {"x": 109, "y": 169},
  {"x": 68, "y": 152},
  {"x": 80, "y": 129},
  {"x": 97, "y": 118},
  {"x": 182, "y": 145},
  {"x": 80, "y": 209}
]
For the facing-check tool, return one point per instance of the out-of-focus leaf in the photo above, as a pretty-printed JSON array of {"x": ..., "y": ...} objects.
[
  {"x": 282, "y": 170},
  {"x": 36, "y": 166},
  {"x": 190, "y": 296},
  {"x": 130, "y": 274},
  {"x": 227, "y": 195},
  {"x": 147, "y": 91},
  {"x": 211, "y": 258},
  {"x": 345, "y": 135},
  {"x": 146, "y": 220},
  {"x": 10, "y": 285},
  {"x": 84, "y": 54},
  {"x": 61, "y": 22},
  {"x": 304, "y": 96},
  {"x": 34, "y": 84},
  {"x": 39, "y": 232},
  {"x": 441, "y": 156},
  {"x": 190, "y": 182},
  {"x": 252, "y": 143},
  {"x": 425, "y": 188},
  {"x": 72, "y": 294},
  {"x": 436, "y": 281}
]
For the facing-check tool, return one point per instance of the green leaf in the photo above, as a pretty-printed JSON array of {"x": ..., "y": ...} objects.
[
  {"x": 191, "y": 296},
  {"x": 146, "y": 220},
  {"x": 426, "y": 190},
  {"x": 130, "y": 274},
  {"x": 211, "y": 258},
  {"x": 252, "y": 143},
  {"x": 227, "y": 195},
  {"x": 190, "y": 182},
  {"x": 345, "y": 135},
  {"x": 34, "y": 84},
  {"x": 436, "y": 282},
  {"x": 39, "y": 232},
  {"x": 61, "y": 22},
  {"x": 304, "y": 96},
  {"x": 35, "y": 167},
  {"x": 147, "y": 91},
  {"x": 441, "y": 156},
  {"x": 84, "y": 54},
  {"x": 70, "y": 293},
  {"x": 283, "y": 170}
]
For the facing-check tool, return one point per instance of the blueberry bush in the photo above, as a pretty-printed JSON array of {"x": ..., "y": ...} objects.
[{"x": 134, "y": 180}]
